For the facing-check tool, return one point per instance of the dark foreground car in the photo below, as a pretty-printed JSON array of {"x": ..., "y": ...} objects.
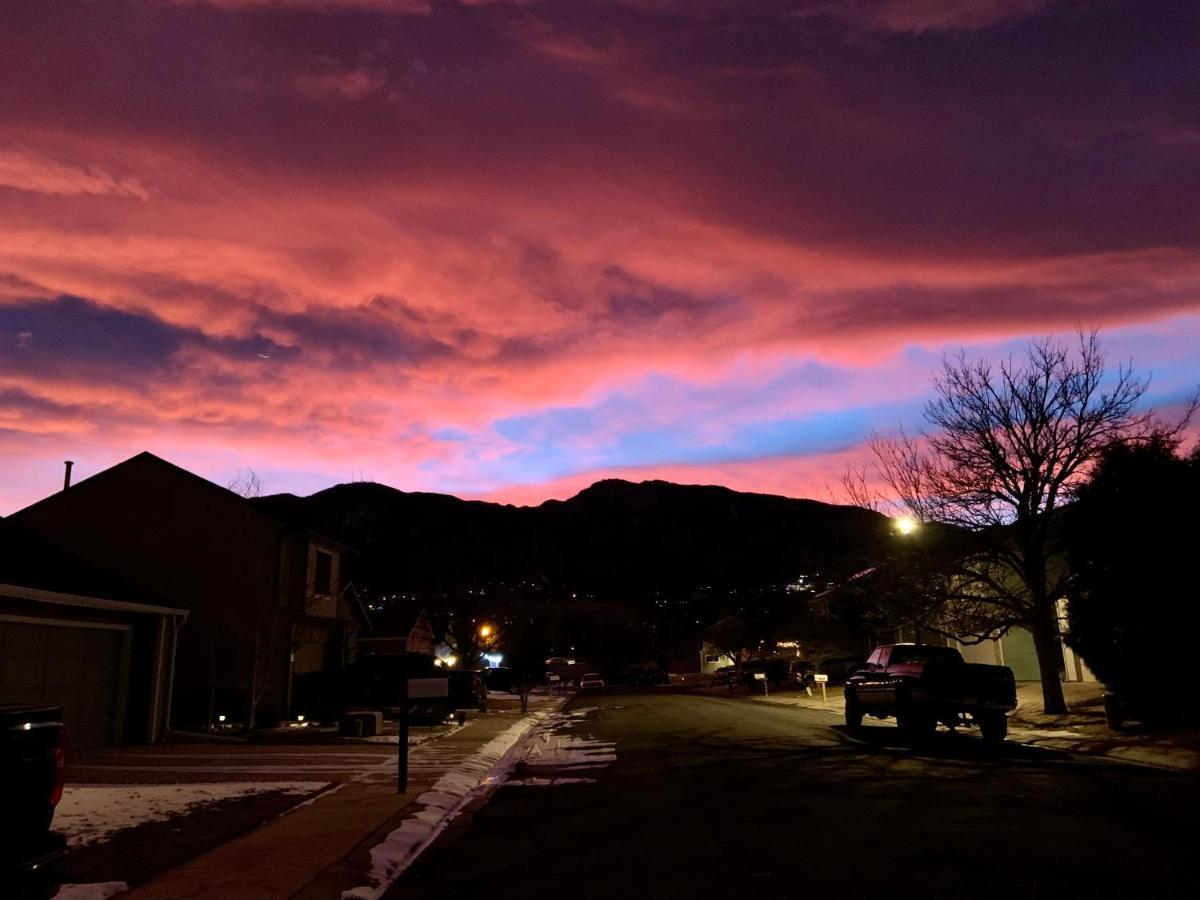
[
  {"x": 32, "y": 766},
  {"x": 376, "y": 682},
  {"x": 921, "y": 685}
]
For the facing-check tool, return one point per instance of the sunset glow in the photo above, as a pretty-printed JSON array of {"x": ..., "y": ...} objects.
[{"x": 504, "y": 249}]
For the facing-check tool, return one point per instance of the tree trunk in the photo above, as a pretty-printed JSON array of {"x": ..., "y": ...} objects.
[{"x": 1049, "y": 657}]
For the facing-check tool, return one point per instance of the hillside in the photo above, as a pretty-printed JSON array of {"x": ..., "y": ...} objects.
[{"x": 613, "y": 536}]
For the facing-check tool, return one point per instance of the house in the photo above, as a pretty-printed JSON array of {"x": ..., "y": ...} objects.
[
  {"x": 398, "y": 628},
  {"x": 1014, "y": 649},
  {"x": 264, "y": 597},
  {"x": 79, "y": 638}
]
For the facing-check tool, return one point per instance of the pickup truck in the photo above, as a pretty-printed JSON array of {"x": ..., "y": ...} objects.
[
  {"x": 33, "y": 744},
  {"x": 922, "y": 684}
]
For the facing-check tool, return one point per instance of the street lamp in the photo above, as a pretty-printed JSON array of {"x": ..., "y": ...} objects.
[{"x": 485, "y": 630}]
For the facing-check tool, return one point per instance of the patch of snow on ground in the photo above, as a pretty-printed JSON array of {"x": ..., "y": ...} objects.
[
  {"x": 556, "y": 748},
  {"x": 100, "y": 890},
  {"x": 546, "y": 782},
  {"x": 89, "y": 814},
  {"x": 449, "y": 795}
]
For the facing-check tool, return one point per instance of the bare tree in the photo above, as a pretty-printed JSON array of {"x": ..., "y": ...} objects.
[
  {"x": 246, "y": 483},
  {"x": 1007, "y": 445}
]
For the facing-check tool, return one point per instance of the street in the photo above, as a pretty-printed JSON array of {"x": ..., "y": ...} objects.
[{"x": 710, "y": 796}]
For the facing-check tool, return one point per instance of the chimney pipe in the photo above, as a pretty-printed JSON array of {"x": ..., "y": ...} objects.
[{"x": 67, "y": 474}]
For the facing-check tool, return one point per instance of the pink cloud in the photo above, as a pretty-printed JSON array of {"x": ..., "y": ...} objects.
[
  {"x": 30, "y": 171},
  {"x": 365, "y": 236}
]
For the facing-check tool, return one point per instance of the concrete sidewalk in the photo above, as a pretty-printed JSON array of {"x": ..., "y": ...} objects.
[
  {"x": 1084, "y": 730},
  {"x": 322, "y": 847}
]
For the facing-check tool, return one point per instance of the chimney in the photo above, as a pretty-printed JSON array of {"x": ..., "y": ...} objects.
[{"x": 67, "y": 474}]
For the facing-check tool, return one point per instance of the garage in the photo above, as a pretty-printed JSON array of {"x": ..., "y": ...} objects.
[
  {"x": 82, "y": 669},
  {"x": 78, "y": 638}
]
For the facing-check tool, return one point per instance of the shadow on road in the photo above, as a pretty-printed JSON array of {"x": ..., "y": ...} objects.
[{"x": 945, "y": 744}]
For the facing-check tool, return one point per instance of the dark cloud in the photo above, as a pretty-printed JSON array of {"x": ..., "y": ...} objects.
[
  {"x": 72, "y": 334},
  {"x": 378, "y": 332},
  {"x": 70, "y": 337},
  {"x": 633, "y": 302},
  {"x": 13, "y": 400},
  {"x": 921, "y": 309},
  {"x": 1063, "y": 128}
]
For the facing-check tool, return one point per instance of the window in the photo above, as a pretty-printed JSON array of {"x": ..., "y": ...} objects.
[
  {"x": 921, "y": 653},
  {"x": 323, "y": 574}
]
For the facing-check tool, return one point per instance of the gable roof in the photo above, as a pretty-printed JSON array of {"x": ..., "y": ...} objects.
[
  {"x": 145, "y": 460},
  {"x": 129, "y": 468},
  {"x": 398, "y": 619},
  {"x": 29, "y": 561}
]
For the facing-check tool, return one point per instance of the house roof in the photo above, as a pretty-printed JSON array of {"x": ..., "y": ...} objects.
[
  {"x": 147, "y": 459},
  {"x": 397, "y": 619},
  {"x": 28, "y": 561}
]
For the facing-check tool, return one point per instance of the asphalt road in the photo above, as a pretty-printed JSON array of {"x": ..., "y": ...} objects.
[{"x": 713, "y": 797}]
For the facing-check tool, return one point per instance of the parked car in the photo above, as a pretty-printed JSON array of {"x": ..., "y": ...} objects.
[
  {"x": 591, "y": 682},
  {"x": 922, "y": 684},
  {"x": 33, "y": 743},
  {"x": 724, "y": 675},
  {"x": 376, "y": 682},
  {"x": 642, "y": 675},
  {"x": 776, "y": 670}
]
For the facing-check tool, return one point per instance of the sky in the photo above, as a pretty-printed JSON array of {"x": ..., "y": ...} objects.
[{"x": 504, "y": 248}]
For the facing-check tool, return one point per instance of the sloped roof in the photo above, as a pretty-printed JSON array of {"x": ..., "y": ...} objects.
[
  {"x": 31, "y": 562},
  {"x": 278, "y": 515}
]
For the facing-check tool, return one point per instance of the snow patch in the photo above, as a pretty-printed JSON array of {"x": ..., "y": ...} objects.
[
  {"x": 546, "y": 782},
  {"x": 90, "y": 814},
  {"x": 449, "y": 795},
  {"x": 100, "y": 890},
  {"x": 556, "y": 748}
]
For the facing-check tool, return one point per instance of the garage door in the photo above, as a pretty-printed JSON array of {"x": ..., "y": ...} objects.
[{"x": 76, "y": 668}]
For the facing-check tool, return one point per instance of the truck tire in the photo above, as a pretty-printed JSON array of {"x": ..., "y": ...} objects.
[
  {"x": 1113, "y": 716},
  {"x": 854, "y": 712},
  {"x": 994, "y": 727}
]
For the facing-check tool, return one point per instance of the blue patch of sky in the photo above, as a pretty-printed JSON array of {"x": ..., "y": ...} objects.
[{"x": 456, "y": 435}]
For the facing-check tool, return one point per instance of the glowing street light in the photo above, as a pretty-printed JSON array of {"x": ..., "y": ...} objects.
[
  {"x": 485, "y": 630},
  {"x": 906, "y": 524}
]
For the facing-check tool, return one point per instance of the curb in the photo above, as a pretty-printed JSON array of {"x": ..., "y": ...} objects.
[{"x": 452, "y": 793}]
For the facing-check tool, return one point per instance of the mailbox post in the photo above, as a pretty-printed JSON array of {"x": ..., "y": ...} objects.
[
  {"x": 413, "y": 689},
  {"x": 822, "y": 680},
  {"x": 762, "y": 677}
]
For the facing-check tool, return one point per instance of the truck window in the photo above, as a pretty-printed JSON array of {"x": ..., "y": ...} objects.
[{"x": 921, "y": 653}]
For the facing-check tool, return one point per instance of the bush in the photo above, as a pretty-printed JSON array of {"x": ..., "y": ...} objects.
[{"x": 1132, "y": 539}]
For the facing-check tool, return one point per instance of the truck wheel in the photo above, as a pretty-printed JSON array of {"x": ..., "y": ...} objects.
[
  {"x": 994, "y": 727},
  {"x": 1112, "y": 712},
  {"x": 854, "y": 713}
]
